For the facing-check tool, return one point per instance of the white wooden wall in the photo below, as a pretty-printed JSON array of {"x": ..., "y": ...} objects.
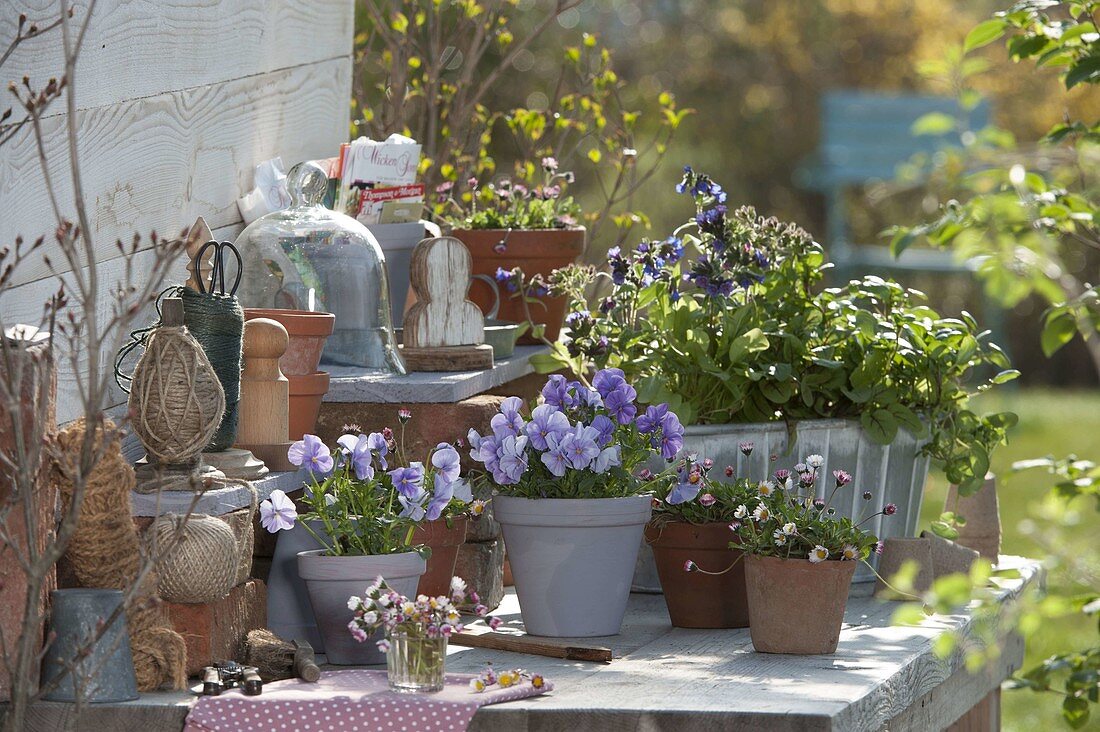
[{"x": 178, "y": 100}]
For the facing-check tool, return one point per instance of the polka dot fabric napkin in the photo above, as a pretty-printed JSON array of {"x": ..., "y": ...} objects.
[{"x": 354, "y": 699}]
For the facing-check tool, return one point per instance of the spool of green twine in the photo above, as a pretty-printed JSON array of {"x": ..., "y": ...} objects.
[{"x": 217, "y": 323}]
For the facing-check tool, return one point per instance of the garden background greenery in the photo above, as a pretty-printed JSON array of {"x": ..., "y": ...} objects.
[{"x": 732, "y": 87}]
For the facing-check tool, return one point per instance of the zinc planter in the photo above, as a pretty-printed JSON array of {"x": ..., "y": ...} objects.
[
  {"x": 796, "y": 606},
  {"x": 695, "y": 599},
  {"x": 893, "y": 473},
  {"x": 330, "y": 581},
  {"x": 537, "y": 252},
  {"x": 572, "y": 559},
  {"x": 444, "y": 542},
  {"x": 289, "y": 614}
]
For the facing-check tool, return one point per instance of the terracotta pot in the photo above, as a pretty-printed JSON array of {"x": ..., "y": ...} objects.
[
  {"x": 694, "y": 599},
  {"x": 895, "y": 553},
  {"x": 444, "y": 542},
  {"x": 308, "y": 332},
  {"x": 982, "y": 531},
  {"x": 536, "y": 251},
  {"x": 796, "y": 606},
  {"x": 306, "y": 393}
]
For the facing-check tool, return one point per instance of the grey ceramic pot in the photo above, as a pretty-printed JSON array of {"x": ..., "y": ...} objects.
[
  {"x": 572, "y": 560},
  {"x": 289, "y": 614},
  {"x": 107, "y": 673},
  {"x": 332, "y": 580}
]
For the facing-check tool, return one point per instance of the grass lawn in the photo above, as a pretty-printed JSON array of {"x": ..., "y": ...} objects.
[{"x": 1051, "y": 423}]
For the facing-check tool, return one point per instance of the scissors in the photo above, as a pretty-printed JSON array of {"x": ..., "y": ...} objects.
[{"x": 217, "y": 274}]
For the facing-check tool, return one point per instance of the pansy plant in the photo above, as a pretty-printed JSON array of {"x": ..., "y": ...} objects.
[
  {"x": 364, "y": 498},
  {"x": 576, "y": 441}
]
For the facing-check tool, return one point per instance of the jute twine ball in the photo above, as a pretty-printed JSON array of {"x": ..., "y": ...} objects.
[
  {"x": 202, "y": 565},
  {"x": 176, "y": 398}
]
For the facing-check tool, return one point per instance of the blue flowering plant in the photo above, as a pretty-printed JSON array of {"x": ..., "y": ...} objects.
[
  {"x": 727, "y": 321},
  {"x": 364, "y": 498},
  {"x": 576, "y": 441}
]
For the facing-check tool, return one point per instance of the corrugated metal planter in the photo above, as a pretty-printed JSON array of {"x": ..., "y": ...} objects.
[{"x": 894, "y": 473}]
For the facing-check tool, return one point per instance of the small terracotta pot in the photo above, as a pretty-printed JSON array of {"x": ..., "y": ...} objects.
[
  {"x": 895, "y": 553},
  {"x": 694, "y": 599},
  {"x": 308, "y": 332},
  {"x": 796, "y": 606},
  {"x": 982, "y": 531},
  {"x": 535, "y": 251},
  {"x": 306, "y": 393},
  {"x": 444, "y": 542}
]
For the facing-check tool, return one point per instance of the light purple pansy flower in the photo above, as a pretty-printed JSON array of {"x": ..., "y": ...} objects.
[
  {"x": 546, "y": 420},
  {"x": 444, "y": 492},
  {"x": 672, "y": 435},
  {"x": 687, "y": 489},
  {"x": 413, "y": 504},
  {"x": 651, "y": 419},
  {"x": 310, "y": 453},
  {"x": 582, "y": 448},
  {"x": 619, "y": 403},
  {"x": 377, "y": 442},
  {"x": 513, "y": 458},
  {"x": 408, "y": 481},
  {"x": 608, "y": 458},
  {"x": 607, "y": 380},
  {"x": 359, "y": 454},
  {"x": 509, "y": 421},
  {"x": 555, "y": 459},
  {"x": 605, "y": 429},
  {"x": 277, "y": 512},
  {"x": 446, "y": 461},
  {"x": 556, "y": 391}
]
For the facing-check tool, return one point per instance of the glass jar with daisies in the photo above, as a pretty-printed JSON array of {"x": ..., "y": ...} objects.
[
  {"x": 416, "y": 630},
  {"x": 801, "y": 546},
  {"x": 363, "y": 501},
  {"x": 572, "y": 496}
]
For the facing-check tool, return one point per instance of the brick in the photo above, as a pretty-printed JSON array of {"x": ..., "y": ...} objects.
[
  {"x": 431, "y": 423},
  {"x": 213, "y": 631},
  {"x": 481, "y": 564}
]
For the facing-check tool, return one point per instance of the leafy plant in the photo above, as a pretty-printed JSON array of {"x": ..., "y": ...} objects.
[
  {"x": 725, "y": 322},
  {"x": 507, "y": 203},
  {"x": 580, "y": 442}
]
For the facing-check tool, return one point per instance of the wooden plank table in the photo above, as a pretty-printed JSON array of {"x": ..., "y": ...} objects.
[{"x": 663, "y": 678}]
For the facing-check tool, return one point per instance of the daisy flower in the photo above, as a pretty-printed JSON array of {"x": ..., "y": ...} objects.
[
  {"x": 477, "y": 685},
  {"x": 761, "y": 513},
  {"x": 789, "y": 529},
  {"x": 741, "y": 512},
  {"x": 818, "y": 554},
  {"x": 849, "y": 551},
  {"x": 780, "y": 537},
  {"x": 815, "y": 461},
  {"x": 477, "y": 508},
  {"x": 766, "y": 488}
]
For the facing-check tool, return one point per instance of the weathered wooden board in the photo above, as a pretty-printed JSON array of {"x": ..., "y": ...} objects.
[
  {"x": 143, "y": 48},
  {"x": 882, "y": 677},
  {"x": 158, "y": 162}
]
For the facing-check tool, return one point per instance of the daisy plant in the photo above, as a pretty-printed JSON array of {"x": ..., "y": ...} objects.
[
  {"x": 786, "y": 519},
  {"x": 576, "y": 441},
  {"x": 690, "y": 495},
  {"x": 364, "y": 498}
]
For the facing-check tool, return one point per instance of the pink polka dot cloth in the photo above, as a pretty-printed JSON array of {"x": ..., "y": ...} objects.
[{"x": 353, "y": 699}]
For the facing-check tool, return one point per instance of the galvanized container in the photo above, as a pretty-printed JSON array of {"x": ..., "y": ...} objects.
[{"x": 894, "y": 473}]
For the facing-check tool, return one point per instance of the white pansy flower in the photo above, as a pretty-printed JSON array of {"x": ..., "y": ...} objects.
[{"x": 818, "y": 554}]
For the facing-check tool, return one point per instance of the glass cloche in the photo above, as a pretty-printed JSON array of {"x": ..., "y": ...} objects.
[{"x": 308, "y": 257}]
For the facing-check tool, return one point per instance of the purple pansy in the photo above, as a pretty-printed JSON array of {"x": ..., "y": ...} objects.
[
  {"x": 446, "y": 461},
  {"x": 605, "y": 429},
  {"x": 408, "y": 481},
  {"x": 555, "y": 459},
  {"x": 377, "y": 442},
  {"x": 619, "y": 403},
  {"x": 581, "y": 446},
  {"x": 512, "y": 461},
  {"x": 277, "y": 512},
  {"x": 359, "y": 454},
  {"x": 556, "y": 391},
  {"x": 509, "y": 421},
  {"x": 607, "y": 380},
  {"x": 310, "y": 453},
  {"x": 413, "y": 504},
  {"x": 672, "y": 435},
  {"x": 687, "y": 488},
  {"x": 547, "y": 420},
  {"x": 444, "y": 492},
  {"x": 652, "y": 417},
  {"x": 608, "y": 458}
]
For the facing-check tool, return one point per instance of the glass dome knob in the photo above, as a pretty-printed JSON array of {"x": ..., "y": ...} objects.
[{"x": 307, "y": 183}]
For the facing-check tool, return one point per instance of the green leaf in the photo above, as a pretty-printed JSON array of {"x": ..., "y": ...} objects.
[
  {"x": 1005, "y": 376},
  {"x": 933, "y": 123},
  {"x": 1058, "y": 330},
  {"x": 944, "y": 530},
  {"x": 1085, "y": 70},
  {"x": 984, "y": 33},
  {"x": 880, "y": 426},
  {"x": 1075, "y": 710},
  {"x": 752, "y": 341}
]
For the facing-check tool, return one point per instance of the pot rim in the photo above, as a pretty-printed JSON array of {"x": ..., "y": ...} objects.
[
  {"x": 573, "y": 512},
  {"x": 314, "y": 565},
  {"x": 309, "y": 384},
  {"x": 309, "y": 323},
  {"x": 659, "y": 539}
]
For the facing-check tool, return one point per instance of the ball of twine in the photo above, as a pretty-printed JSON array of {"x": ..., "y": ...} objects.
[
  {"x": 176, "y": 397},
  {"x": 201, "y": 566}
]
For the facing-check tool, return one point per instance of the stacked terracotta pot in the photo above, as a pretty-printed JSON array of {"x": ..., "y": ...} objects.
[{"x": 308, "y": 332}]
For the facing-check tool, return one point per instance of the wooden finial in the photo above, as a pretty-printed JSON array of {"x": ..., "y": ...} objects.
[
  {"x": 198, "y": 236},
  {"x": 264, "y": 424}
]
